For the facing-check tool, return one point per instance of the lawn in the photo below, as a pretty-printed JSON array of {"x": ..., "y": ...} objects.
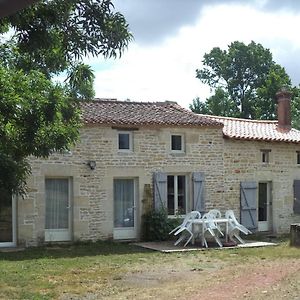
[{"x": 107, "y": 270}]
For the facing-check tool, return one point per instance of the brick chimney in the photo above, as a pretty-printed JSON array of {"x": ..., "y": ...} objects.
[{"x": 283, "y": 97}]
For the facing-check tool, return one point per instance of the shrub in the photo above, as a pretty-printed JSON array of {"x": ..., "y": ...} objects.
[{"x": 157, "y": 225}]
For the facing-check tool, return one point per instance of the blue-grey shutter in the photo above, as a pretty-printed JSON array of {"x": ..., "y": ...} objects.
[
  {"x": 249, "y": 204},
  {"x": 198, "y": 192},
  {"x": 160, "y": 190},
  {"x": 296, "y": 206}
]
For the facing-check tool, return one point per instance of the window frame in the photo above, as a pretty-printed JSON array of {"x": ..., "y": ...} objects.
[
  {"x": 130, "y": 135},
  {"x": 296, "y": 197},
  {"x": 265, "y": 156},
  {"x": 298, "y": 158},
  {"x": 186, "y": 198},
  {"x": 182, "y": 150}
]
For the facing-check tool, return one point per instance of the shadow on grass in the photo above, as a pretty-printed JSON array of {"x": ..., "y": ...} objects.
[{"x": 53, "y": 251}]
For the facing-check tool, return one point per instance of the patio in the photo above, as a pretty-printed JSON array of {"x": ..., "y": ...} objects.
[{"x": 169, "y": 247}]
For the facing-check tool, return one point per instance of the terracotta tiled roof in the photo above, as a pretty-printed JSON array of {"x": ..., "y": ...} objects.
[
  {"x": 113, "y": 112},
  {"x": 255, "y": 130}
]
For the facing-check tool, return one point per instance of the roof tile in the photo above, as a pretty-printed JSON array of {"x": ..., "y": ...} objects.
[
  {"x": 255, "y": 130},
  {"x": 113, "y": 112}
]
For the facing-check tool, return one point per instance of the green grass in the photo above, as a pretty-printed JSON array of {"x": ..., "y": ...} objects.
[{"x": 49, "y": 272}]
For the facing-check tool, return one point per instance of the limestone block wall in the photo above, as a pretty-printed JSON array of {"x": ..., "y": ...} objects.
[
  {"x": 243, "y": 162},
  {"x": 92, "y": 198}
]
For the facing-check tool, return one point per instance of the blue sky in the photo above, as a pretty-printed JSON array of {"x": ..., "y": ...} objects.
[{"x": 171, "y": 37}]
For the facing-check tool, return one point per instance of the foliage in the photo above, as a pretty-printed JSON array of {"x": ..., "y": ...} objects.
[
  {"x": 81, "y": 81},
  {"x": 36, "y": 118},
  {"x": 219, "y": 104},
  {"x": 51, "y": 35},
  {"x": 295, "y": 107},
  {"x": 248, "y": 77},
  {"x": 157, "y": 225},
  {"x": 48, "y": 39}
]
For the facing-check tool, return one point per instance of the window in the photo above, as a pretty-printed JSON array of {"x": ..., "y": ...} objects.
[
  {"x": 298, "y": 157},
  {"x": 177, "y": 143},
  {"x": 176, "y": 193},
  {"x": 125, "y": 141},
  {"x": 296, "y": 205},
  {"x": 265, "y": 156}
]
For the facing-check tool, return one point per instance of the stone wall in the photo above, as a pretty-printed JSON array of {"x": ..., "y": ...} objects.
[
  {"x": 225, "y": 163},
  {"x": 92, "y": 207},
  {"x": 243, "y": 162}
]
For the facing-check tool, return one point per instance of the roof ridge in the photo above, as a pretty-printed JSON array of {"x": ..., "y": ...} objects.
[
  {"x": 238, "y": 119},
  {"x": 115, "y": 100}
]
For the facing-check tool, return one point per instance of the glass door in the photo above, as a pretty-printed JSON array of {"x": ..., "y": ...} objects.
[
  {"x": 124, "y": 209},
  {"x": 57, "y": 216},
  {"x": 264, "y": 203},
  {"x": 7, "y": 219}
]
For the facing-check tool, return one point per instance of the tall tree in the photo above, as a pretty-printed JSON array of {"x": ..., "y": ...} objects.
[
  {"x": 38, "y": 116},
  {"x": 295, "y": 107},
  {"x": 219, "y": 104},
  {"x": 248, "y": 74},
  {"x": 53, "y": 35}
]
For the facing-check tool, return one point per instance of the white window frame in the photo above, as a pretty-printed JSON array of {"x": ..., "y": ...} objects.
[
  {"x": 130, "y": 134},
  {"x": 182, "y": 143},
  {"x": 267, "y": 154},
  {"x": 298, "y": 158},
  {"x": 12, "y": 243},
  {"x": 62, "y": 234},
  {"x": 175, "y": 176}
]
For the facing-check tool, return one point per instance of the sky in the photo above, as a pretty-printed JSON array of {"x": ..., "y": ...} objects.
[{"x": 171, "y": 37}]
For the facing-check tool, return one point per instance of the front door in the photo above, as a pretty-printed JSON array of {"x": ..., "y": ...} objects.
[
  {"x": 264, "y": 206},
  {"x": 7, "y": 219},
  {"x": 125, "y": 208},
  {"x": 57, "y": 215}
]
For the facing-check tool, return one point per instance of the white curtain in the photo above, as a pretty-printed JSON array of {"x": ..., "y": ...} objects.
[
  {"x": 124, "y": 203},
  {"x": 57, "y": 203}
]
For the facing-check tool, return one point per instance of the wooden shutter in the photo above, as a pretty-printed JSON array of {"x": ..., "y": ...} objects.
[
  {"x": 160, "y": 190},
  {"x": 198, "y": 192},
  {"x": 249, "y": 204},
  {"x": 296, "y": 206}
]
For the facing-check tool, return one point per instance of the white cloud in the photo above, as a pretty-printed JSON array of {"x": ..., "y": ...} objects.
[{"x": 167, "y": 71}]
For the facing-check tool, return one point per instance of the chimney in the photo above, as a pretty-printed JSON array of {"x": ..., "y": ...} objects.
[{"x": 283, "y": 97}]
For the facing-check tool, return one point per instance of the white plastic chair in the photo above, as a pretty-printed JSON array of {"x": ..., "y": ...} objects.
[
  {"x": 216, "y": 214},
  {"x": 185, "y": 228},
  {"x": 234, "y": 227},
  {"x": 210, "y": 226}
]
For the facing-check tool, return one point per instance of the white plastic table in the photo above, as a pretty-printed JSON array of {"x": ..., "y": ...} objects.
[{"x": 202, "y": 221}]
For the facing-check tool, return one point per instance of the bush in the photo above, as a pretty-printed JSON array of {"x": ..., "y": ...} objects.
[{"x": 157, "y": 225}]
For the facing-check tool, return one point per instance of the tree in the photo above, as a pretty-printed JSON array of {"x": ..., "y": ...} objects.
[
  {"x": 295, "y": 107},
  {"x": 38, "y": 116},
  {"x": 219, "y": 104},
  {"x": 81, "y": 82},
  {"x": 53, "y": 35},
  {"x": 248, "y": 74}
]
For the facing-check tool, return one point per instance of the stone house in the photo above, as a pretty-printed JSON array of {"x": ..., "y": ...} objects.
[
  {"x": 132, "y": 157},
  {"x": 262, "y": 169}
]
